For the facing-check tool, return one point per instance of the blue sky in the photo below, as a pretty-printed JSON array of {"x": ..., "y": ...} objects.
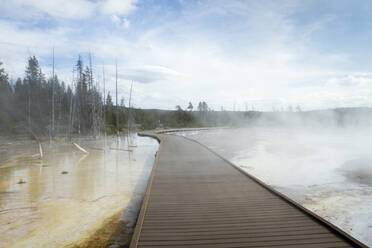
[{"x": 266, "y": 54}]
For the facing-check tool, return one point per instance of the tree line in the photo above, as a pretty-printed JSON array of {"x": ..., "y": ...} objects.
[{"x": 47, "y": 106}]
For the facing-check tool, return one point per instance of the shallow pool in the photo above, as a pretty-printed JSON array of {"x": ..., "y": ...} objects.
[{"x": 64, "y": 198}]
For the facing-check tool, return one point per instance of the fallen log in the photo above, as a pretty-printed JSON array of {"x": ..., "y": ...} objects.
[
  {"x": 80, "y": 148},
  {"x": 96, "y": 148},
  {"x": 38, "y": 141},
  {"x": 40, "y": 150},
  {"x": 119, "y": 149}
]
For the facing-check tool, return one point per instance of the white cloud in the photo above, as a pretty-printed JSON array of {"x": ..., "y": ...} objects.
[
  {"x": 359, "y": 80},
  {"x": 120, "y": 22},
  {"x": 118, "y": 7},
  {"x": 126, "y": 23},
  {"x": 115, "y": 19},
  {"x": 16, "y": 45},
  {"x": 148, "y": 74},
  {"x": 66, "y": 9},
  {"x": 260, "y": 57},
  {"x": 71, "y": 9}
]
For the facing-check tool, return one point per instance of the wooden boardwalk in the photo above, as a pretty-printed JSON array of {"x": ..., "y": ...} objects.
[{"x": 195, "y": 198}]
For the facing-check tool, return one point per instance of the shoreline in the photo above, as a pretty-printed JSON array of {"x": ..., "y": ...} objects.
[{"x": 112, "y": 233}]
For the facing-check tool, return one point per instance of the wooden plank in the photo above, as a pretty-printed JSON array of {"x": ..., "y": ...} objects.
[
  {"x": 296, "y": 239},
  {"x": 272, "y": 244}
]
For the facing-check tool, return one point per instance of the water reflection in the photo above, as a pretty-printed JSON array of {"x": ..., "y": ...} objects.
[{"x": 67, "y": 196}]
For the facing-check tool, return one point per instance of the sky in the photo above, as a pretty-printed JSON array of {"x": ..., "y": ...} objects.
[{"x": 260, "y": 55}]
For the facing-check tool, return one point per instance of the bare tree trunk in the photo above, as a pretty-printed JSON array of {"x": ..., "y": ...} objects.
[
  {"x": 104, "y": 102},
  {"x": 129, "y": 113},
  {"x": 92, "y": 97},
  {"x": 53, "y": 97},
  {"x": 29, "y": 106},
  {"x": 116, "y": 104},
  {"x": 71, "y": 119}
]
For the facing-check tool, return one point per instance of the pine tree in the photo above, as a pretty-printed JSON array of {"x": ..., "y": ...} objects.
[
  {"x": 190, "y": 107},
  {"x": 110, "y": 114},
  {"x": 6, "y": 100}
]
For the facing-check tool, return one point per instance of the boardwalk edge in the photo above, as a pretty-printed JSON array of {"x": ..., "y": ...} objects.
[{"x": 141, "y": 216}]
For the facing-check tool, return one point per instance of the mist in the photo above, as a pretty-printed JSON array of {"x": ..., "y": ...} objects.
[{"x": 321, "y": 159}]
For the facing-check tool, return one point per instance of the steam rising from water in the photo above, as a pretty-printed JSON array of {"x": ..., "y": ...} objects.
[
  {"x": 328, "y": 170},
  {"x": 359, "y": 170}
]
